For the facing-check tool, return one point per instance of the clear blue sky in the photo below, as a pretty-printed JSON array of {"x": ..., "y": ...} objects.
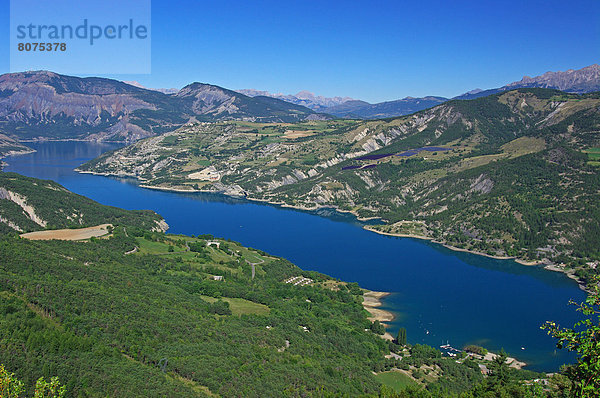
[{"x": 371, "y": 50}]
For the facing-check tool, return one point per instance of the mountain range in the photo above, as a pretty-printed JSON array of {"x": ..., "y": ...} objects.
[
  {"x": 317, "y": 103},
  {"x": 580, "y": 81},
  {"x": 350, "y": 108},
  {"x": 401, "y": 107},
  {"x": 45, "y": 105}
]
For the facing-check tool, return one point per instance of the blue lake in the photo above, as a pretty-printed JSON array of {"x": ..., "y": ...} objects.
[{"x": 438, "y": 295}]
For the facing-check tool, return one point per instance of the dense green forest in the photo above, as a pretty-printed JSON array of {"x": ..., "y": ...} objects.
[{"x": 103, "y": 321}]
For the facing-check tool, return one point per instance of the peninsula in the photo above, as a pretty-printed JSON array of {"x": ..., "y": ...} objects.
[{"x": 511, "y": 175}]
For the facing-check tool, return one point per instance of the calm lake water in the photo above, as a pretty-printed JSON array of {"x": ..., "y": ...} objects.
[{"x": 438, "y": 295}]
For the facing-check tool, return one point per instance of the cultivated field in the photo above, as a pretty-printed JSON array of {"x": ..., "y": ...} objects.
[
  {"x": 69, "y": 234},
  {"x": 397, "y": 380},
  {"x": 594, "y": 156},
  {"x": 292, "y": 134}
]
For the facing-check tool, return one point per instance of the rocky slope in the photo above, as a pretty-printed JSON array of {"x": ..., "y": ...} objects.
[
  {"x": 210, "y": 103},
  {"x": 583, "y": 80},
  {"x": 9, "y": 146},
  {"x": 47, "y": 105}
]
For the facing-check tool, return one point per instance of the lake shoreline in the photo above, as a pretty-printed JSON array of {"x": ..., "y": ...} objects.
[
  {"x": 371, "y": 301},
  {"x": 547, "y": 266},
  {"x": 193, "y": 190},
  {"x": 14, "y": 153},
  {"x": 40, "y": 139}
]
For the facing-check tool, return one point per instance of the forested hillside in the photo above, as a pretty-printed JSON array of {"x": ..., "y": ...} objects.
[
  {"x": 29, "y": 204},
  {"x": 102, "y": 320}
]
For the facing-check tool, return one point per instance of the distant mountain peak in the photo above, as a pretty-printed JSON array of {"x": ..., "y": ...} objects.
[
  {"x": 160, "y": 90},
  {"x": 475, "y": 91},
  {"x": 134, "y": 83},
  {"x": 572, "y": 80},
  {"x": 305, "y": 98},
  {"x": 305, "y": 94},
  {"x": 579, "y": 81}
]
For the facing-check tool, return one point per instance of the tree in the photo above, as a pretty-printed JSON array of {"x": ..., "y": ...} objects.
[
  {"x": 52, "y": 389},
  {"x": 377, "y": 327},
  {"x": 499, "y": 370},
  {"x": 10, "y": 386},
  {"x": 583, "y": 338},
  {"x": 500, "y": 383},
  {"x": 476, "y": 349},
  {"x": 401, "y": 339},
  {"x": 220, "y": 307}
]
